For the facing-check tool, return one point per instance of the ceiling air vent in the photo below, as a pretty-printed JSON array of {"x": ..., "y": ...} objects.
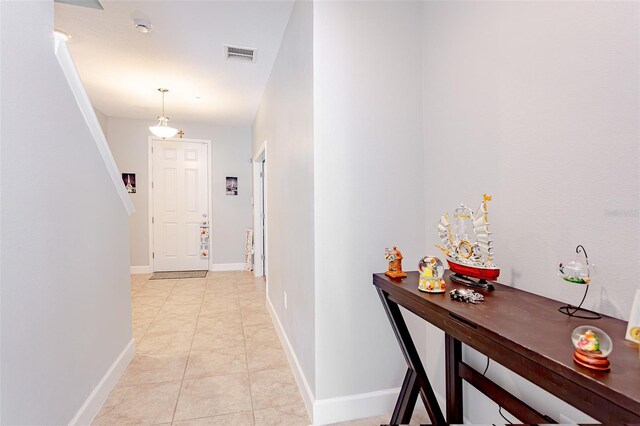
[{"x": 236, "y": 53}]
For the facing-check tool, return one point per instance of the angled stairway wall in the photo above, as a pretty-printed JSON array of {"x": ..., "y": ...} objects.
[{"x": 64, "y": 266}]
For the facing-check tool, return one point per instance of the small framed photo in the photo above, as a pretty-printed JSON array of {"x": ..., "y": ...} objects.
[
  {"x": 129, "y": 180},
  {"x": 232, "y": 185},
  {"x": 633, "y": 328}
]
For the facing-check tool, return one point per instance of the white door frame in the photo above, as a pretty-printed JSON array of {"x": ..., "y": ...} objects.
[
  {"x": 260, "y": 156},
  {"x": 207, "y": 142}
]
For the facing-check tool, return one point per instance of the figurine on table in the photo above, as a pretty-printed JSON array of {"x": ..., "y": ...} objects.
[
  {"x": 431, "y": 271},
  {"x": 395, "y": 263}
]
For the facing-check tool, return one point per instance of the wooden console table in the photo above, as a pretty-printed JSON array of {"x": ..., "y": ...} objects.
[{"x": 521, "y": 331}]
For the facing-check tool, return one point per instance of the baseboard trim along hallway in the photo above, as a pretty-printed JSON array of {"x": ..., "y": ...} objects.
[
  {"x": 351, "y": 407},
  {"x": 216, "y": 267},
  {"x": 303, "y": 385},
  {"x": 333, "y": 410},
  {"x": 227, "y": 267},
  {"x": 145, "y": 269},
  {"x": 98, "y": 396}
]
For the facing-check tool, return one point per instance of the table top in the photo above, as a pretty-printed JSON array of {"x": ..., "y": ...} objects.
[{"x": 532, "y": 325}]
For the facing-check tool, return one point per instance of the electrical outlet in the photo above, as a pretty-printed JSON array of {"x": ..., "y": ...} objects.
[{"x": 285, "y": 300}]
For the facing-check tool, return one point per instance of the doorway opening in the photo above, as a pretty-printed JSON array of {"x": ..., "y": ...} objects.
[
  {"x": 179, "y": 204},
  {"x": 260, "y": 212}
]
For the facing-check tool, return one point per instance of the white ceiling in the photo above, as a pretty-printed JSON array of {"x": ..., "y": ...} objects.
[{"x": 122, "y": 68}]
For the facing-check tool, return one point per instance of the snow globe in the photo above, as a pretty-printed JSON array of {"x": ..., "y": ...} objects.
[
  {"x": 592, "y": 347},
  {"x": 431, "y": 271}
]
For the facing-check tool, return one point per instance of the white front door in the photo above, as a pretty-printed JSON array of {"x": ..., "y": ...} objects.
[{"x": 180, "y": 204}]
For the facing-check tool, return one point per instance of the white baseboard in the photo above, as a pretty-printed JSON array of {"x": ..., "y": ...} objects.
[
  {"x": 333, "y": 410},
  {"x": 351, "y": 407},
  {"x": 303, "y": 385},
  {"x": 98, "y": 396},
  {"x": 227, "y": 267},
  {"x": 146, "y": 269}
]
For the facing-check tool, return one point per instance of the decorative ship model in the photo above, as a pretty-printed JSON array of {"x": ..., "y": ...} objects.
[{"x": 469, "y": 247}]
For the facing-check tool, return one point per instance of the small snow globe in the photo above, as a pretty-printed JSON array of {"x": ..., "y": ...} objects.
[
  {"x": 592, "y": 347},
  {"x": 431, "y": 272}
]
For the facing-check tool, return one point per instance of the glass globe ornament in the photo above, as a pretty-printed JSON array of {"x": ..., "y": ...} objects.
[
  {"x": 591, "y": 339},
  {"x": 592, "y": 347},
  {"x": 578, "y": 270},
  {"x": 431, "y": 271}
]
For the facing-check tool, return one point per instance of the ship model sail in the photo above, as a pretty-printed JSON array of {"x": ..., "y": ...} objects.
[{"x": 468, "y": 245}]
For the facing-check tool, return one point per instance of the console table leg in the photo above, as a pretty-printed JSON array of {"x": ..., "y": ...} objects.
[
  {"x": 406, "y": 400},
  {"x": 453, "y": 356},
  {"x": 416, "y": 379}
]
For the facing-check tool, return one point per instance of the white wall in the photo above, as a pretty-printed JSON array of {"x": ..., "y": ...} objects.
[
  {"x": 368, "y": 184},
  {"x": 66, "y": 311},
  {"x": 230, "y": 156},
  {"x": 285, "y": 121},
  {"x": 102, "y": 119},
  {"x": 537, "y": 103}
]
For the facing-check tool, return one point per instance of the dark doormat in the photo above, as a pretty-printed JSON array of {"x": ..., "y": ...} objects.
[{"x": 178, "y": 275}]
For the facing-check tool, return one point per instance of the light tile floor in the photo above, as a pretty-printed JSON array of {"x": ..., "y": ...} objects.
[{"x": 206, "y": 353}]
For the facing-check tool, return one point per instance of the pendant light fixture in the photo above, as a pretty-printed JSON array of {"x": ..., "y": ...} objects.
[{"x": 162, "y": 129}]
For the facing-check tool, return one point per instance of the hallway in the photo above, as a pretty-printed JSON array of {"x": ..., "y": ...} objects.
[{"x": 206, "y": 353}]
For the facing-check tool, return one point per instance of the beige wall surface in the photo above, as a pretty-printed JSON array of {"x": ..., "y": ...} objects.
[
  {"x": 368, "y": 185},
  {"x": 230, "y": 156},
  {"x": 66, "y": 305},
  {"x": 537, "y": 103},
  {"x": 285, "y": 121}
]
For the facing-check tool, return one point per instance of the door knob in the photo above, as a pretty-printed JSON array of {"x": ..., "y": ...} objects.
[{"x": 204, "y": 215}]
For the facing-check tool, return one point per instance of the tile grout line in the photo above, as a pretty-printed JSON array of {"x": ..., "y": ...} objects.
[
  {"x": 250, "y": 299},
  {"x": 186, "y": 364},
  {"x": 156, "y": 314},
  {"x": 173, "y": 291},
  {"x": 145, "y": 333},
  {"x": 246, "y": 358},
  {"x": 154, "y": 317},
  {"x": 213, "y": 417}
]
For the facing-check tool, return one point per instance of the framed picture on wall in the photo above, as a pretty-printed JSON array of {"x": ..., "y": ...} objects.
[
  {"x": 232, "y": 185},
  {"x": 633, "y": 328},
  {"x": 129, "y": 180}
]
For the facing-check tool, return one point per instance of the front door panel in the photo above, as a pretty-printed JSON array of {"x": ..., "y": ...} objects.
[{"x": 180, "y": 204}]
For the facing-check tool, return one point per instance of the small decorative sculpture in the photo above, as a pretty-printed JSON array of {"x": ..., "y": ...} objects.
[
  {"x": 588, "y": 342},
  {"x": 468, "y": 246},
  {"x": 578, "y": 271},
  {"x": 395, "y": 263},
  {"x": 431, "y": 272},
  {"x": 467, "y": 296},
  {"x": 592, "y": 347}
]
